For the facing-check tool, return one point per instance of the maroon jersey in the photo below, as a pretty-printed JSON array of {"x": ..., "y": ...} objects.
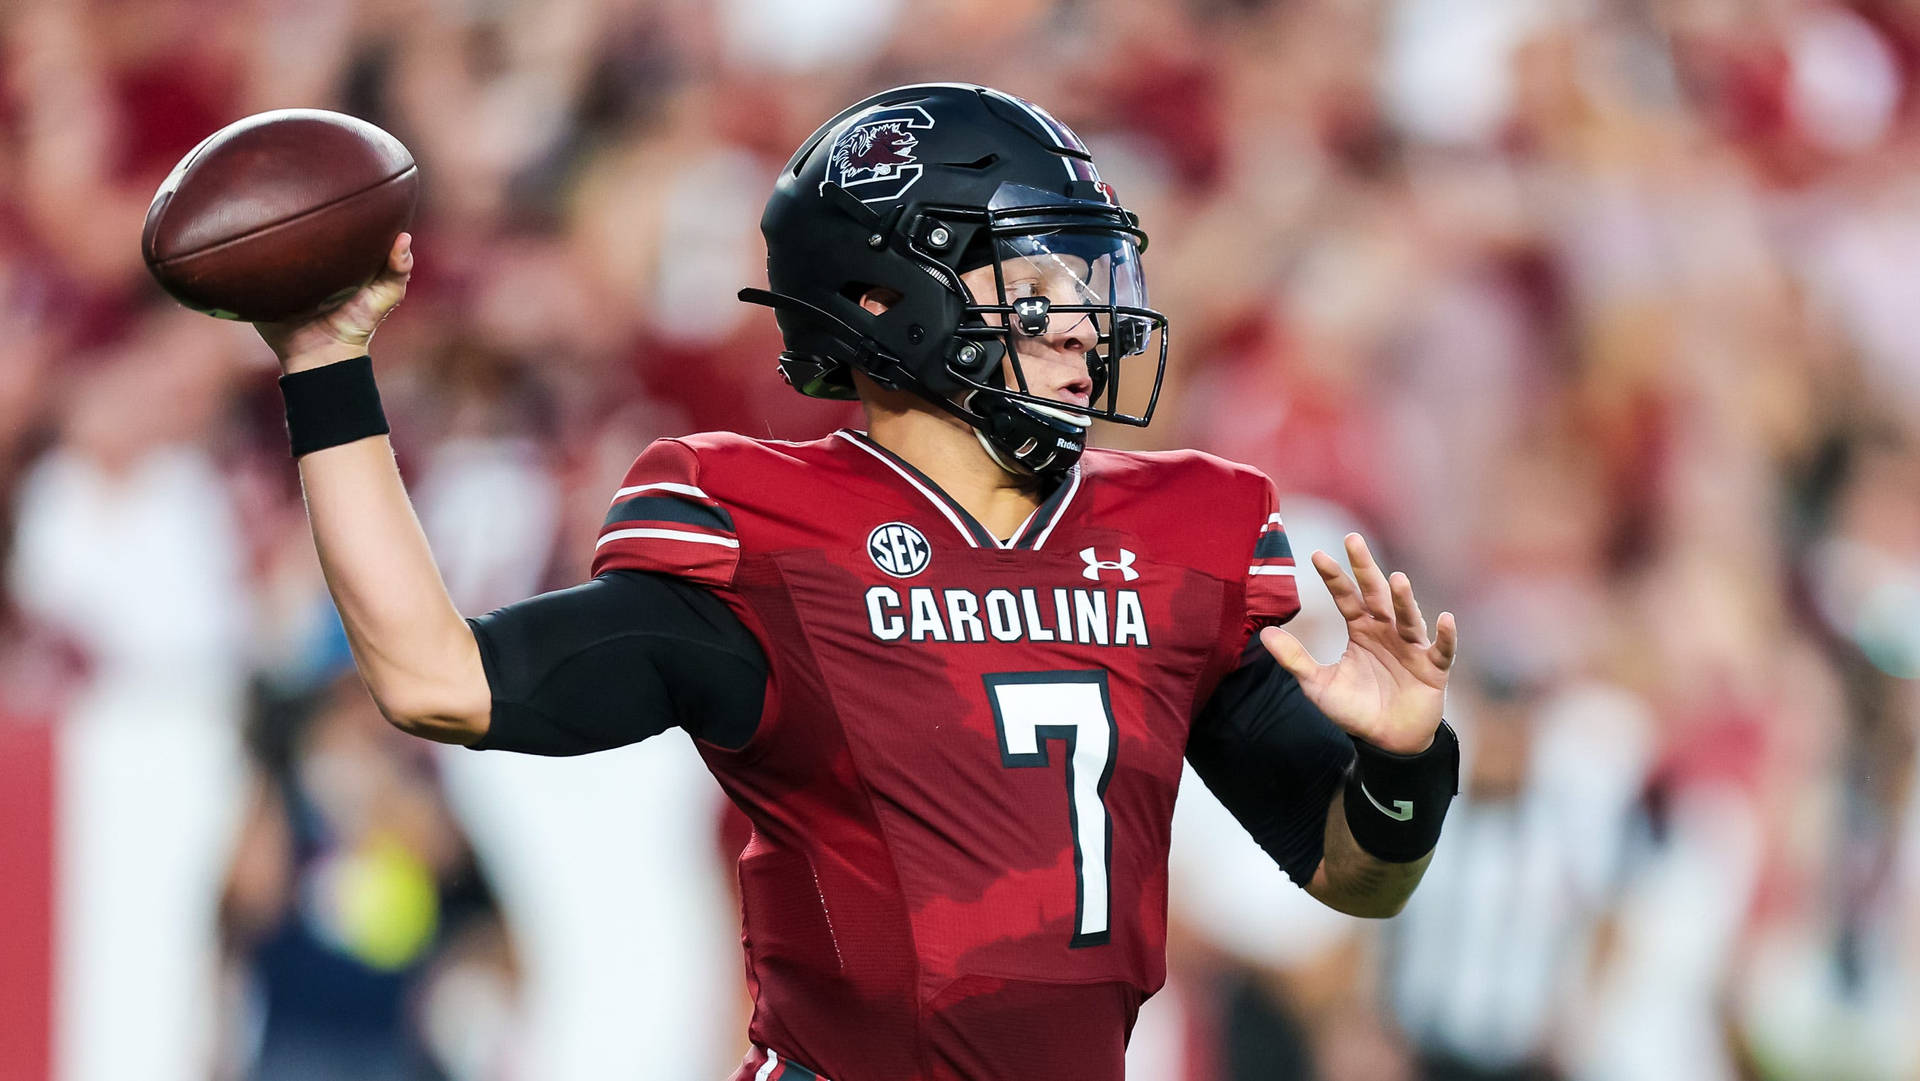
[{"x": 962, "y": 784}]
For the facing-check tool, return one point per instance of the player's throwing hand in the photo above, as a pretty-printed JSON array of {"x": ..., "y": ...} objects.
[
  {"x": 1389, "y": 687},
  {"x": 343, "y": 332}
]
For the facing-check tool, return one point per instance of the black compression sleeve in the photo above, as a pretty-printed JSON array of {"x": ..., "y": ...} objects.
[
  {"x": 1272, "y": 758},
  {"x": 615, "y": 660}
]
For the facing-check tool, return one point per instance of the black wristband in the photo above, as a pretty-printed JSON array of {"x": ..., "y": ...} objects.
[
  {"x": 1395, "y": 803},
  {"x": 332, "y": 404}
]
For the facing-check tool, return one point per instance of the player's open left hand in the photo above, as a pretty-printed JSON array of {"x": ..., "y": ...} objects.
[
  {"x": 1389, "y": 687},
  {"x": 343, "y": 332}
]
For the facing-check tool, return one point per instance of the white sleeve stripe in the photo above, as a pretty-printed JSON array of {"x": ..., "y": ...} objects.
[
  {"x": 1273, "y": 570},
  {"x": 1273, "y": 519},
  {"x": 662, "y": 486},
  {"x": 767, "y": 1067},
  {"x": 668, "y": 534}
]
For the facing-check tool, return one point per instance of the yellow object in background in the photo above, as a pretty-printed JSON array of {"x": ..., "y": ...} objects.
[{"x": 377, "y": 903}]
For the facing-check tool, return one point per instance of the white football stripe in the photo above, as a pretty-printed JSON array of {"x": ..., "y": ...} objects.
[
  {"x": 668, "y": 534},
  {"x": 662, "y": 486}
]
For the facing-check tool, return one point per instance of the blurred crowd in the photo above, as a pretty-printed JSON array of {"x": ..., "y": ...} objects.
[{"x": 1595, "y": 315}]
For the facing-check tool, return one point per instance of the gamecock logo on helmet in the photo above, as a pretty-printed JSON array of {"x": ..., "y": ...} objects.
[{"x": 874, "y": 159}]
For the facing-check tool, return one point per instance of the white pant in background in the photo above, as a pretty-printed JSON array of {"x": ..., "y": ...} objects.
[
  {"x": 606, "y": 866},
  {"x": 150, "y": 787}
]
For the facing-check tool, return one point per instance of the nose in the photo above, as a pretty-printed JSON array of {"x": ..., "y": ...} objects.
[{"x": 1070, "y": 333}]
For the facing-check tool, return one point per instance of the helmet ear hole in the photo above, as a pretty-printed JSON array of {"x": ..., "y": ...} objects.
[{"x": 876, "y": 299}]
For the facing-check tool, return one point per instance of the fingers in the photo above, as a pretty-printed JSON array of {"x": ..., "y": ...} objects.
[
  {"x": 1446, "y": 641},
  {"x": 400, "y": 258},
  {"x": 1366, "y": 574},
  {"x": 384, "y": 293},
  {"x": 1346, "y": 596},
  {"x": 1290, "y": 653},
  {"x": 1406, "y": 610},
  {"x": 1385, "y": 597}
]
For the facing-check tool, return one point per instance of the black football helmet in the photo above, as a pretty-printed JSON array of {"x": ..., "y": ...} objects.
[{"x": 906, "y": 191}]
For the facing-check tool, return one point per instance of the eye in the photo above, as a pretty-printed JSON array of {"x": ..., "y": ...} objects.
[{"x": 1024, "y": 288}]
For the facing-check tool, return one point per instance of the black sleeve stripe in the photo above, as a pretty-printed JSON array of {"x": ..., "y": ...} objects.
[
  {"x": 1273, "y": 545},
  {"x": 655, "y": 508}
]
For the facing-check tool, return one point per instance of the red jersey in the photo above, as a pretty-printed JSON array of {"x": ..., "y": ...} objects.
[{"x": 962, "y": 783}]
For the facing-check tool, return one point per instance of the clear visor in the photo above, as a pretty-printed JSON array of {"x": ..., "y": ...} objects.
[{"x": 1072, "y": 268}]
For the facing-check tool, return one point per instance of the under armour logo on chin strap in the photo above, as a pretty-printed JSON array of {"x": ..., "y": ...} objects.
[{"x": 1095, "y": 565}]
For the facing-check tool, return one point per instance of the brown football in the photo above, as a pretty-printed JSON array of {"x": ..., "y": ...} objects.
[{"x": 280, "y": 215}]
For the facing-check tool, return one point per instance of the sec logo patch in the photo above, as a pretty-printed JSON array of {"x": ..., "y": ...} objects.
[{"x": 899, "y": 549}]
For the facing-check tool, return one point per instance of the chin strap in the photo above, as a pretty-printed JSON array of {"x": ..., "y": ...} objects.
[{"x": 1026, "y": 439}]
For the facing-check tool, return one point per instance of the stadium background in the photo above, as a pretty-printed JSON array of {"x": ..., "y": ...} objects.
[{"x": 1595, "y": 316}]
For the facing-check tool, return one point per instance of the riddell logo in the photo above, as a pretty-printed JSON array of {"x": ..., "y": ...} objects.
[
  {"x": 874, "y": 159},
  {"x": 1095, "y": 565}
]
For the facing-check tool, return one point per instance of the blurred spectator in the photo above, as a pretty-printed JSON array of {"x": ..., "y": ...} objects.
[
  {"x": 1485, "y": 964},
  {"x": 127, "y": 546},
  {"x": 366, "y": 939}
]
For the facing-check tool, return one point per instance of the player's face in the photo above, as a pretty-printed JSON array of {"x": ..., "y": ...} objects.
[{"x": 1054, "y": 361}]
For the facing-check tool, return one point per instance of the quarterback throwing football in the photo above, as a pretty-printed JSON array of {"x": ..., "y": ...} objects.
[{"x": 949, "y": 666}]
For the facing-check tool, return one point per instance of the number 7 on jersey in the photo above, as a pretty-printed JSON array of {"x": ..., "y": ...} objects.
[{"x": 1029, "y": 710}]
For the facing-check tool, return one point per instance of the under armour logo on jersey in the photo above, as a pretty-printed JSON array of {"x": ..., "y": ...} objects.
[
  {"x": 899, "y": 549},
  {"x": 1095, "y": 565}
]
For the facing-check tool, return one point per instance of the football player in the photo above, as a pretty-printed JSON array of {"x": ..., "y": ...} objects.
[{"x": 949, "y": 666}]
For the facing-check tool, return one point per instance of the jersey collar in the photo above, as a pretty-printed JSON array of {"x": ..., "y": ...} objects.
[{"x": 1033, "y": 532}]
